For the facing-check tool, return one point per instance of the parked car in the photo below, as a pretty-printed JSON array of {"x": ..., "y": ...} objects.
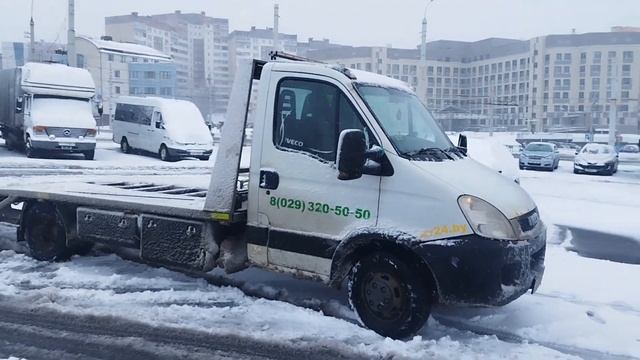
[
  {"x": 540, "y": 155},
  {"x": 630, "y": 148},
  {"x": 173, "y": 129},
  {"x": 596, "y": 159}
]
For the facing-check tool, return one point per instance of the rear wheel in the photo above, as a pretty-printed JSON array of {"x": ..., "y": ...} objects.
[
  {"x": 203, "y": 158},
  {"x": 124, "y": 146},
  {"x": 45, "y": 233},
  {"x": 388, "y": 296}
]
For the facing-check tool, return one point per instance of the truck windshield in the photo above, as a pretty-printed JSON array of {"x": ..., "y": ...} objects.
[{"x": 407, "y": 123}]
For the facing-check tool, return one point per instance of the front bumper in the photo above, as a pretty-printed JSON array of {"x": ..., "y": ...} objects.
[
  {"x": 594, "y": 169},
  {"x": 69, "y": 146},
  {"x": 173, "y": 152},
  {"x": 481, "y": 271},
  {"x": 536, "y": 163}
]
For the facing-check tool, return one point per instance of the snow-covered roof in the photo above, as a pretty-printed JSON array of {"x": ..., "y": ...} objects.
[
  {"x": 121, "y": 48},
  {"x": 366, "y": 77},
  {"x": 44, "y": 78}
]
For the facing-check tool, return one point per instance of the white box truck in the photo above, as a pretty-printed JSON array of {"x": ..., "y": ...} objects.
[
  {"x": 350, "y": 177},
  {"x": 47, "y": 109}
]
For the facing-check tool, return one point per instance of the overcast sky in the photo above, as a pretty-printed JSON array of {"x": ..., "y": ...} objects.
[{"x": 351, "y": 22}]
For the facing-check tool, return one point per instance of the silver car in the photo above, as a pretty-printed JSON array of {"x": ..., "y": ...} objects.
[
  {"x": 596, "y": 159},
  {"x": 540, "y": 155}
]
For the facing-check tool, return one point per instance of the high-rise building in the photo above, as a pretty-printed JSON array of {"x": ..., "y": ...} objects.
[
  {"x": 549, "y": 82},
  {"x": 257, "y": 44},
  {"x": 198, "y": 45}
]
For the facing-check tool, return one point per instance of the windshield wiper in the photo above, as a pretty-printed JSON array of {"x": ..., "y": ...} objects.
[{"x": 433, "y": 153}]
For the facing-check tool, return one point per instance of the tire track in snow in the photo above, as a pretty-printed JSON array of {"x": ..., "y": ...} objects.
[{"x": 514, "y": 338}]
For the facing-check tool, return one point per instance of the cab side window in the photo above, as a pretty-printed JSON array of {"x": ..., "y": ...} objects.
[{"x": 309, "y": 117}]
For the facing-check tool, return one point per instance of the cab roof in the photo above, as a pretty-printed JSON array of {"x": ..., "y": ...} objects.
[{"x": 340, "y": 72}]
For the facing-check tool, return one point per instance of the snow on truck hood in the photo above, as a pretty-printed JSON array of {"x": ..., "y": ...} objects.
[
  {"x": 67, "y": 113},
  {"x": 468, "y": 177}
]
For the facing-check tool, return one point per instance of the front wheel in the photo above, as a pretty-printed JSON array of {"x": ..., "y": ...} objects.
[
  {"x": 203, "y": 158},
  {"x": 164, "y": 153},
  {"x": 29, "y": 150},
  {"x": 388, "y": 296},
  {"x": 89, "y": 155}
]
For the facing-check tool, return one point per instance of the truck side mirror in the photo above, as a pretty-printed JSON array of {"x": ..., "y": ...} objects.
[
  {"x": 462, "y": 143},
  {"x": 352, "y": 154},
  {"x": 19, "y": 105}
]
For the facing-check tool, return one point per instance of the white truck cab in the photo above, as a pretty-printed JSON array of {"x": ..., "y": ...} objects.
[
  {"x": 170, "y": 128},
  {"x": 47, "y": 109},
  {"x": 350, "y": 177}
]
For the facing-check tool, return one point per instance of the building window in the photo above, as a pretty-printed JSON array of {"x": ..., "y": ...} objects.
[
  {"x": 597, "y": 56},
  {"x": 627, "y": 57},
  {"x": 80, "y": 60},
  {"x": 165, "y": 75},
  {"x": 117, "y": 90},
  {"x": 149, "y": 74},
  {"x": 134, "y": 74},
  {"x": 150, "y": 91},
  {"x": 116, "y": 73},
  {"x": 110, "y": 57},
  {"x": 166, "y": 91}
]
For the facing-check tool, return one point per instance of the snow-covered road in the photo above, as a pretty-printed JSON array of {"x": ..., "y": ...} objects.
[{"x": 585, "y": 308}]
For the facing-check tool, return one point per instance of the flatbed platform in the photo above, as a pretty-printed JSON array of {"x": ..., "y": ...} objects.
[{"x": 150, "y": 197}]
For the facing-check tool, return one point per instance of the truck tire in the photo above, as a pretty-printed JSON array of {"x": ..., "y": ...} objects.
[
  {"x": 388, "y": 297},
  {"x": 45, "y": 233},
  {"x": 29, "y": 150},
  {"x": 203, "y": 158},
  {"x": 163, "y": 153},
  {"x": 89, "y": 155},
  {"x": 124, "y": 145}
]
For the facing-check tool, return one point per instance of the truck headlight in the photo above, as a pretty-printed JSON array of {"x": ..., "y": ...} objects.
[
  {"x": 485, "y": 219},
  {"x": 39, "y": 130},
  {"x": 90, "y": 133}
]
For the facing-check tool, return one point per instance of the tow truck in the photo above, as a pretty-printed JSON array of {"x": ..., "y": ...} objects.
[{"x": 351, "y": 182}]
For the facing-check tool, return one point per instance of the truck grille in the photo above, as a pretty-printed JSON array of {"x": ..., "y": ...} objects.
[{"x": 66, "y": 132}]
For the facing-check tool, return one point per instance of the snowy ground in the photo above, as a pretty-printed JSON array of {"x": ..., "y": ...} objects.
[{"x": 585, "y": 308}]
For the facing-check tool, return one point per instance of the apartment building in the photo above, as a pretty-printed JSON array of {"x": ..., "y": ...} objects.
[
  {"x": 257, "y": 43},
  {"x": 111, "y": 63},
  {"x": 198, "y": 44},
  {"x": 549, "y": 82}
]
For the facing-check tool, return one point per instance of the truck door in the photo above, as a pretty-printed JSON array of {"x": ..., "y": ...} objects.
[{"x": 307, "y": 208}]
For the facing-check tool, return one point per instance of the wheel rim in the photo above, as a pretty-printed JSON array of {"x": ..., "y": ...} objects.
[
  {"x": 163, "y": 153},
  {"x": 124, "y": 146},
  {"x": 28, "y": 147},
  {"x": 383, "y": 296}
]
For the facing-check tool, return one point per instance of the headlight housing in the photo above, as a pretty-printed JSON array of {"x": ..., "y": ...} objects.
[{"x": 485, "y": 219}]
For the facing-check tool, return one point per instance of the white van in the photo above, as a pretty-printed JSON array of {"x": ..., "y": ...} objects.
[{"x": 172, "y": 129}]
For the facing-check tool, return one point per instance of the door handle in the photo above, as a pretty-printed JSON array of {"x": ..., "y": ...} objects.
[{"x": 269, "y": 179}]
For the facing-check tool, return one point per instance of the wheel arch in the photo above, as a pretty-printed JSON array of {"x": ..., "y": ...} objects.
[{"x": 359, "y": 245}]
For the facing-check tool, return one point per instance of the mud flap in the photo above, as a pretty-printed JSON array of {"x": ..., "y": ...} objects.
[{"x": 178, "y": 243}]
